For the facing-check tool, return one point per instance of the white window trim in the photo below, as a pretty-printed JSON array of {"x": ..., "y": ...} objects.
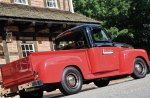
[
  {"x": 71, "y": 6},
  {"x": 21, "y": 3},
  {"x": 33, "y": 48},
  {"x": 52, "y": 7}
]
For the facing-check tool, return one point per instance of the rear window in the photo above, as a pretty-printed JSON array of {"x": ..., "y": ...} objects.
[{"x": 70, "y": 40}]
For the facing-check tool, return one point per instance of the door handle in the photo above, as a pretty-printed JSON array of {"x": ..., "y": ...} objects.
[{"x": 107, "y": 52}]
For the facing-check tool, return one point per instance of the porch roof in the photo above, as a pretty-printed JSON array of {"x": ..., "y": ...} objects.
[{"x": 25, "y": 12}]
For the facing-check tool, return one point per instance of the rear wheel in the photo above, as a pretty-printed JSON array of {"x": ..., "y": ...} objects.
[
  {"x": 101, "y": 83},
  {"x": 140, "y": 69},
  {"x": 71, "y": 82},
  {"x": 33, "y": 94}
]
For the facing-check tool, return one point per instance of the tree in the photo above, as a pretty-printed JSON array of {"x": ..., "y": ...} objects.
[{"x": 139, "y": 15}]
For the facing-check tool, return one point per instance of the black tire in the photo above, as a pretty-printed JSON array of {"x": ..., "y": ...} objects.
[
  {"x": 139, "y": 69},
  {"x": 34, "y": 94},
  {"x": 101, "y": 83},
  {"x": 71, "y": 82}
]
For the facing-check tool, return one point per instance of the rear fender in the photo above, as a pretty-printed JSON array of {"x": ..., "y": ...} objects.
[{"x": 51, "y": 70}]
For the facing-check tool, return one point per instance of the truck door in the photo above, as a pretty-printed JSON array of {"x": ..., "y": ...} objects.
[
  {"x": 107, "y": 59},
  {"x": 106, "y": 55}
]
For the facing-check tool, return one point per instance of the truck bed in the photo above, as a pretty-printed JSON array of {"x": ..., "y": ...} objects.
[{"x": 17, "y": 72}]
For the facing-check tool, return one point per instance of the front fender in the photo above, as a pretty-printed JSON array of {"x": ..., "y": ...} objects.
[{"x": 128, "y": 57}]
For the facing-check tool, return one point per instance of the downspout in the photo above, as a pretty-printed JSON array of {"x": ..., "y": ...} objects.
[{"x": 71, "y": 6}]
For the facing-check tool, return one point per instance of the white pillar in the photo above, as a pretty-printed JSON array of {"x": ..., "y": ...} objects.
[{"x": 71, "y": 6}]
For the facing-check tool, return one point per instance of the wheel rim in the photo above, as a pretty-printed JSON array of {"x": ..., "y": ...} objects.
[
  {"x": 72, "y": 80},
  {"x": 140, "y": 68}
]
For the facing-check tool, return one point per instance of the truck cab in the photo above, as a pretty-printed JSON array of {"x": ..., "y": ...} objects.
[{"x": 98, "y": 42}]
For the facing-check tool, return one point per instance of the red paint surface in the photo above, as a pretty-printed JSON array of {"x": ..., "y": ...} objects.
[
  {"x": 17, "y": 73},
  {"x": 94, "y": 63}
]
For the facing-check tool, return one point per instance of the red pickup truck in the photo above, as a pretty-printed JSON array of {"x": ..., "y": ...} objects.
[{"x": 83, "y": 54}]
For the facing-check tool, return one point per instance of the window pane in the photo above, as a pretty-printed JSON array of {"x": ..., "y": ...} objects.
[
  {"x": 23, "y": 48},
  {"x": 30, "y": 47},
  {"x": 24, "y": 54},
  {"x": 27, "y": 48},
  {"x": 27, "y": 52},
  {"x": 23, "y": 1},
  {"x": 20, "y": 1},
  {"x": 97, "y": 35},
  {"x": 54, "y": 4},
  {"x": 51, "y": 3},
  {"x": 16, "y": 0}
]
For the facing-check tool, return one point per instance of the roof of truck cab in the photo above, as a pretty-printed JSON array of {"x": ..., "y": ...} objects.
[
  {"x": 78, "y": 27},
  {"x": 82, "y": 26}
]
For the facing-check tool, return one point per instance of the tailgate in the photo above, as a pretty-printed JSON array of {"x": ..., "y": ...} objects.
[{"x": 17, "y": 72}]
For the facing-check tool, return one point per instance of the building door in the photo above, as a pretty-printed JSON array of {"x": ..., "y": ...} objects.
[{"x": 27, "y": 48}]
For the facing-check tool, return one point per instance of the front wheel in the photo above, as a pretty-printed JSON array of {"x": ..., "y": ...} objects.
[
  {"x": 71, "y": 82},
  {"x": 140, "y": 69}
]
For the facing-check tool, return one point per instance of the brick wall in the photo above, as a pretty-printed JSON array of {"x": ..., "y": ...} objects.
[
  {"x": 67, "y": 5},
  {"x": 43, "y": 44},
  {"x": 6, "y": 1},
  {"x": 64, "y": 5},
  {"x": 13, "y": 50},
  {"x": 39, "y": 3}
]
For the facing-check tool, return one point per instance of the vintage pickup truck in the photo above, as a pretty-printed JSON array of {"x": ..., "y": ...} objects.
[{"x": 83, "y": 54}]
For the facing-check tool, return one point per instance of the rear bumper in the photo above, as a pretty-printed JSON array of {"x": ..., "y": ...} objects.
[{"x": 31, "y": 86}]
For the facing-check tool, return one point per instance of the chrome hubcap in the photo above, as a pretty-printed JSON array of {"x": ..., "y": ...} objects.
[
  {"x": 138, "y": 68},
  {"x": 72, "y": 80}
]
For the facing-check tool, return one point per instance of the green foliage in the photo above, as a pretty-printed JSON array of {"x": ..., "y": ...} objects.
[
  {"x": 103, "y": 9},
  {"x": 121, "y": 17},
  {"x": 116, "y": 32}
]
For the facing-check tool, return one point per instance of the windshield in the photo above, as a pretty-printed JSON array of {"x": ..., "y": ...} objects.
[{"x": 99, "y": 35}]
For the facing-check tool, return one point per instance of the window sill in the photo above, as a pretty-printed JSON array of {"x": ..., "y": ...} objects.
[
  {"x": 52, "y": 7},
  {"x": 21, "y": 3}
]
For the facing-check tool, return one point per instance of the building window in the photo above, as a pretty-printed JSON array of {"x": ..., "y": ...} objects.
[
  {"x": 27, "y": 48},
  {"x": 51, "y": 3},
  {"x": 21, "y": 1}
]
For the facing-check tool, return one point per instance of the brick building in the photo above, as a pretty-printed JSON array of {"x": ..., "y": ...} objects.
[{"x": 30, "y": 25}]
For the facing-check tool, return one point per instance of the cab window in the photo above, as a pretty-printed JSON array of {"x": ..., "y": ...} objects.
[
  {"x": 71, "y": 40},
  {"x": 99, "y": 35}
]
